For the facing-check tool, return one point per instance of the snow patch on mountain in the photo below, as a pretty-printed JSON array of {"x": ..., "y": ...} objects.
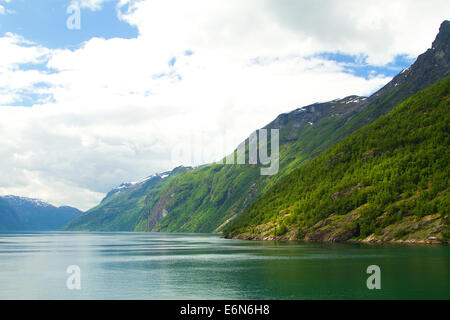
[
  {"x": 134, "y": 184},
  {"x": 25, "y": 200}
]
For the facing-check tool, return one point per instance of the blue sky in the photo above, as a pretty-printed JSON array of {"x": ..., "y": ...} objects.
[
  {"x": 45, "y": 23},
  {"x": 358, "y": 65}
]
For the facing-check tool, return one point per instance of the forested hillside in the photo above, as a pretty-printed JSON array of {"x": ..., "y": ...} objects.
[{"x": 387, "y": 181}]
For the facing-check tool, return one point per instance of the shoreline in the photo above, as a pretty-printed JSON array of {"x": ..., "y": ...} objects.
[{"x": 430, "y": 241}]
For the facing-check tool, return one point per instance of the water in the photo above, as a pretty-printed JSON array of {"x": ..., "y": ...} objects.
[{"x": 199, "y": 266}]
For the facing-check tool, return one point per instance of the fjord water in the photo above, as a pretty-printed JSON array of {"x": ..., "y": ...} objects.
[{"x": 203, "y": 266}]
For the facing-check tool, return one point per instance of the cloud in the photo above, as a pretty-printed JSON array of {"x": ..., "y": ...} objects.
[
  {"x": 3, "y": 10},
  {"x": 210, "y": 71},
  {"x": 378, "y": 29},
  {"x": 14, "y": 81},
  {"x": 93, "y": 5}
]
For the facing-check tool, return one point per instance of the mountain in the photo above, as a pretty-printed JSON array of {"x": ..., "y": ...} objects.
[
  {"x": 20, "y": 213},
  {"x": 8, "y": 218},
  {"x": 208, "y": 198},
  {"x": 387, "y": 181},
  {"x": 129, "y": 186},
  {"x": 122, "y": 206}
]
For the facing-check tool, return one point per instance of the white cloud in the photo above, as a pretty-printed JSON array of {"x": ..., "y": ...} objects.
[
  {"x": 119, "y": 109},
  {"x": 3, "y": 10},
  {"x": 93, "y": 5},
  {"x": 15, "y": 52}
]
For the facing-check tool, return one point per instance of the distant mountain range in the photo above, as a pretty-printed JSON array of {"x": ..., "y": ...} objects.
[
  {"x": 214, "y": 197},
  {"x": 26, "y": 214}
]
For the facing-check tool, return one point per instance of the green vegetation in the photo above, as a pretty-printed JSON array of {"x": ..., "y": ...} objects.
[
  {"x": 120, "y": 211},
  {"x": 396, "y": 167},
  {"x": 201, "y": 198}
]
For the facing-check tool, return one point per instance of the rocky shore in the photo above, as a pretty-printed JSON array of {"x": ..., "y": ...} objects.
[{"x": 410, "y": 230}]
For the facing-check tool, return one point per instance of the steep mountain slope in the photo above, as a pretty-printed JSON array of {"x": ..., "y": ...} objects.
[
  {"x": 206, "y": 199},
  {"x": 19, "y": 213},
  {"x": 387, "y": 181},
  {"x": 120, "y": 209}
]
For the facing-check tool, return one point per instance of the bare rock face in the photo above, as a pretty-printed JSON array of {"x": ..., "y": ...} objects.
[
  {"x": 159, "y": 211},
  {"x": 289, "y": 123}
]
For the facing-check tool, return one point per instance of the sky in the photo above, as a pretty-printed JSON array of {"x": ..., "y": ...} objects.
[{"x": 139, "y": 87}]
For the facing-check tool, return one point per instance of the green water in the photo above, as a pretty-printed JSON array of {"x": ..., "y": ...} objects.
[{"x": 193, "y": 266}]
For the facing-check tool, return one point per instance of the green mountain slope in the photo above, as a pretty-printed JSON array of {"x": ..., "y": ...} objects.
[
  {"x": 387, "y": 181},
  {"x": 121, "y": 208},
  {"x": 206, "y": 199}
]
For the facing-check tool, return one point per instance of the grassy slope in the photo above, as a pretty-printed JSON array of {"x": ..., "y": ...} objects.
[
  {"x": 396, "y": 167},
  {"x": 121, "y": 211}
]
